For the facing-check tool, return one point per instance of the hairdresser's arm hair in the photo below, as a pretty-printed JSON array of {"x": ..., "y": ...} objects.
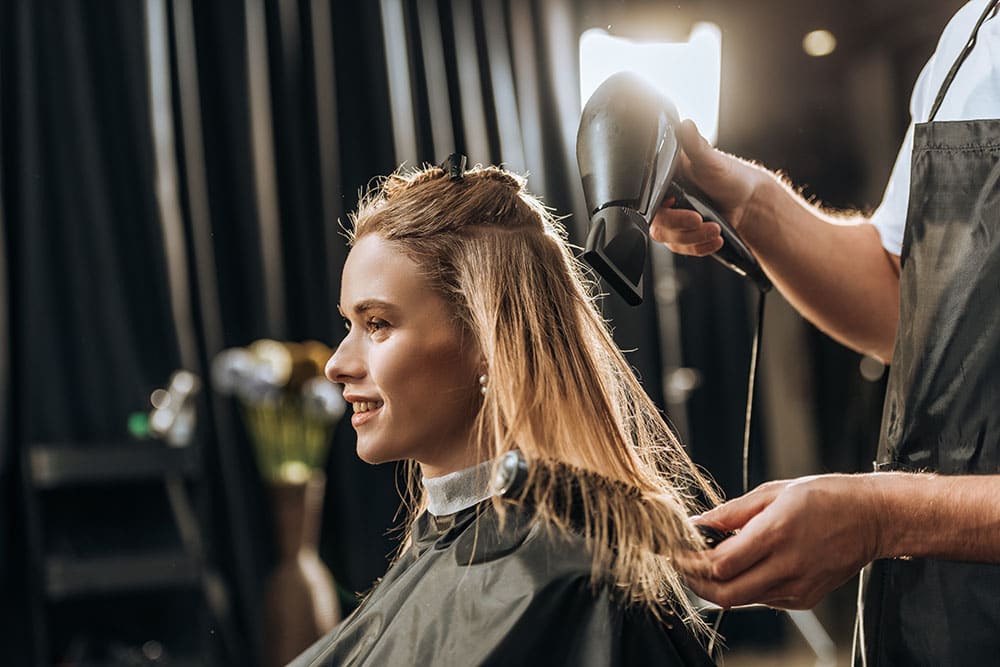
[
  {"x": 833, "y": 271},
  {"x": 939, "y": 516}
]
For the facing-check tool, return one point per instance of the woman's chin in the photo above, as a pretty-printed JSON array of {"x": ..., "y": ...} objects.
[{"x": 374, "y": 456}]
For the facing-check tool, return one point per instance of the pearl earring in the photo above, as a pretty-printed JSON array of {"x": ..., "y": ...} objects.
[{"x": 483, "y": 382}]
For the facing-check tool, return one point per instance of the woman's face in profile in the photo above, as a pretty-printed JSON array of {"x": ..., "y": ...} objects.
[{"x": 407, "y": 370}]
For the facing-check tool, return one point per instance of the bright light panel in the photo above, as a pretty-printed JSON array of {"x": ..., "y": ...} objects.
[{"x": 689, "y": 73}]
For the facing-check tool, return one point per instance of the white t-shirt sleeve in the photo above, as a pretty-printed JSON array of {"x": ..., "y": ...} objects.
[
  {"x": 890, "y": 217},
  {"x": 974, "y": 94}
]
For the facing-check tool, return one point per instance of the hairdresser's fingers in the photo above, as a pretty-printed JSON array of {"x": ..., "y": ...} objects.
[
  {"x": 706, "y": 248},
  {"x": 760, "y": 527},
  {"x": 696, "y": 237},
  {"x": 697, "y": 148},
  {"x": 698, "y": 250},
  {"x": 716, "y": 172},
  {"x": 671, "y": 219},
  {"x": 726, "y": 180},
  {"x": 686, "y": 238},
  {"x": 694, "y": 564},
  {"x": 742, "y": 551},
  {"x": 751, "y": 587},
  {"x": 738, "y": 551},
  {"x": 733, "y": 556},
  {"x": 734, "y": 514},
  {"x": 704, "y": 166}
]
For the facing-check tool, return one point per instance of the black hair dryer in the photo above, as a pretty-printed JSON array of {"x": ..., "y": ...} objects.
[{"x": 627, "y": 149}]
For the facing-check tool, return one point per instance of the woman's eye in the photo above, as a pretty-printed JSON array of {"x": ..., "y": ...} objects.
[
  {"x": 347, "y": 324},
  {"x": 374, "y": 324}
]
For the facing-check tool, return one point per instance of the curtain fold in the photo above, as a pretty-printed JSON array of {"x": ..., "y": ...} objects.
[
  {"x": 396, "y": 39},
  {"x": 497, "y": 35},
  {"x": 166, "y": 182},
  {"x": 10, "y": 622},
  {"x": 5, "y": 306},
  {"x": 442, "y": 132},
  {"x": 80, "y": 186},
  {"x": 526, "y": 76},
  {"x": 225, "y": 462},
  {"x": 265, "y": 177},
  {"x": 328, "y": 172},
  {"x": 476, "y": 134}
]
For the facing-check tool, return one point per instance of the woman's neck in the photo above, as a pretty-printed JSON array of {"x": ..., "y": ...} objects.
[{"x": 449, "y": 458}]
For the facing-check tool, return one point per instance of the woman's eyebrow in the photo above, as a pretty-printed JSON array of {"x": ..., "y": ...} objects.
[{"x": 372, "y": 304}]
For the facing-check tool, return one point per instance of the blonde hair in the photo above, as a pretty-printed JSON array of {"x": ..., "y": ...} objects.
[{"x": 559, "y": 388}]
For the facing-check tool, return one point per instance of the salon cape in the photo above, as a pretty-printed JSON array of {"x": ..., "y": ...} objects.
[{"x": 468, "y": 593}]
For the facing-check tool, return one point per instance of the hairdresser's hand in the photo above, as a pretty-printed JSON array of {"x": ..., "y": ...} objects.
[
  {"x": 732, "y": 184},
  {"x": 797, "y": 541}
]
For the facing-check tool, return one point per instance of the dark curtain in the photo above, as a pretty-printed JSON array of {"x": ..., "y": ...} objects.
[
  {"x": 90, "y": 298},
  {"x": 91, "y": 315},
  {"x": 172, "y": 174},
  {"x": 9, "y": 560}
]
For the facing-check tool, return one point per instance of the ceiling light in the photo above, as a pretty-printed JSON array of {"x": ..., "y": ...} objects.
[{"x": 819, "y": 43}]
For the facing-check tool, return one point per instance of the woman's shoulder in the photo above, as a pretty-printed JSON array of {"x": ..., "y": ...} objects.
[
  {"x": 515, "y": 531},
  {"x": 571, "y": 615}
]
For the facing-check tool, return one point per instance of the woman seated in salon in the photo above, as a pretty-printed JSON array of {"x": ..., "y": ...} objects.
[{"x": 546, "y": 493}]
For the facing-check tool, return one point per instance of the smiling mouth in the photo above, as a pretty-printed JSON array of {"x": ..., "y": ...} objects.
[{"x": 364, "y": 411}]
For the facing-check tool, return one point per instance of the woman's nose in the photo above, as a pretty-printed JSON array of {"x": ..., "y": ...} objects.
[{"x": 345, "y": 365}]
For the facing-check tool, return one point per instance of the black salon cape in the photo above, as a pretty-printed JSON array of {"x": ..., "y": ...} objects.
[{"x": 466, "y": 593}]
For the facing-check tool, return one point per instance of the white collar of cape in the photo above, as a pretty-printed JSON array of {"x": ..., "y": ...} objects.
[{"x": 458, "y": 490}]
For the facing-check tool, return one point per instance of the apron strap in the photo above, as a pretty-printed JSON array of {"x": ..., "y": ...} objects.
[{"x": 990, "y": 9}]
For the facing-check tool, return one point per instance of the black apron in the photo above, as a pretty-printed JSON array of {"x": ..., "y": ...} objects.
[{"x": 942, "y": 407}]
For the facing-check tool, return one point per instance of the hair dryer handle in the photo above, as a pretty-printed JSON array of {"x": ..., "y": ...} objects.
[{"x": 734, "y": 254}]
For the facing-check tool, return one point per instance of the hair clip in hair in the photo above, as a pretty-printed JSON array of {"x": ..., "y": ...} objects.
[{"x": 454, "y": 166}]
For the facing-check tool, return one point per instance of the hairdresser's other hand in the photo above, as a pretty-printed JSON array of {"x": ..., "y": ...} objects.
[
  {"x": 731, "y": 183},
  {"x": 797, "y": 541}
]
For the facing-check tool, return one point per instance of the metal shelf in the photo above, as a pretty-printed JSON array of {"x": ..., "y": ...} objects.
[
  {"x": 68, "y": 576},
  {"x": 55, "y": 464}
]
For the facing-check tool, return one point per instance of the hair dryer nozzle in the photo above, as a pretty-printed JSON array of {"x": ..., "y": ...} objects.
[{"x": 616, "y": 248}]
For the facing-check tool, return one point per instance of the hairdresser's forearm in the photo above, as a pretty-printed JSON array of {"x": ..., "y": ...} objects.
[
  {"x": 939, "y": 516},
  {"x": 837, "y": 275}
]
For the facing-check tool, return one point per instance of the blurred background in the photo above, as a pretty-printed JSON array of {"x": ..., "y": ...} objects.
[{"x": 172, "y": 177}]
